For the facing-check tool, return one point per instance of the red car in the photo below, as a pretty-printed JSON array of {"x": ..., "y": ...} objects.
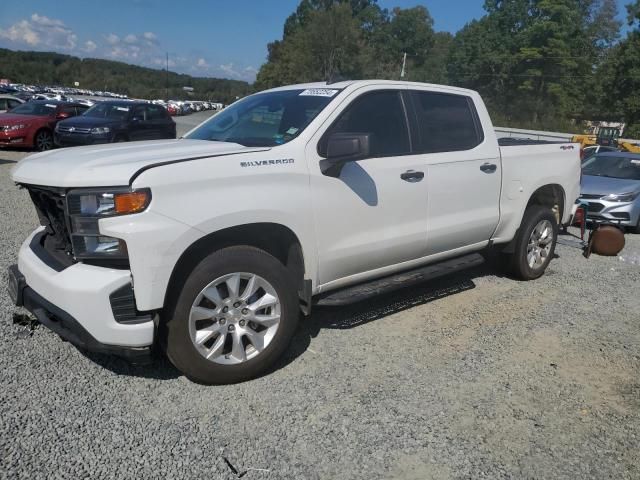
[
  {"x": 31, "y": 124},
  {"x": 172, "y": 109}
]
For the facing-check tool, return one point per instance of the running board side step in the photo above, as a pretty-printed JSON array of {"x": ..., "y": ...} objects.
[{"x": 397, "y": 281}]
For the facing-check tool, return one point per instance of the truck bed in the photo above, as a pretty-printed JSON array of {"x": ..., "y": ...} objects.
[{"x": 512, "y": 142}]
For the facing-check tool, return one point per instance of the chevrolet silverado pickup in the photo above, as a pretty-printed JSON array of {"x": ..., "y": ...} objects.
[{"x": 210, "y": 246}]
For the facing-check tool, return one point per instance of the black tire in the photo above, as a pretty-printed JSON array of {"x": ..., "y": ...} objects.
[
  {"x": 516, "y": 261},
  {"x": 174, "y": 327},
  {"x": 43, "y": 140},
  {"x": 635, "y": 229},
  {"x": 119, "y": 139}
]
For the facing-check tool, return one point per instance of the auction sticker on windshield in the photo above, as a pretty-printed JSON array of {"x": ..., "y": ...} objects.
[{"x": 318, "y": 92}]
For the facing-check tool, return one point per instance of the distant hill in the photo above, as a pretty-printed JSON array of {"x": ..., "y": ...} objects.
[{"x": 48, "y": 68}]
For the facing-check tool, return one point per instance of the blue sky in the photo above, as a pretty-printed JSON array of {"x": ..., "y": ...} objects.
[{"x": 219, "y": 38}]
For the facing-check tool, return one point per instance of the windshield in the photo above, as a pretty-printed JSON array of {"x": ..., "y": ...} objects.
[
  {"x": 613, "y": 167},
  {"x": 609, "y": 132},
  {"x": 108, "y": 110},
  {"x": 265, "y": 119},
  {"x": 33, "y": 108}
]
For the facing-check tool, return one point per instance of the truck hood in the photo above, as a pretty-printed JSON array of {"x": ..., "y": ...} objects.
[
  {"x": 115, "y": 164},
  {"x": 592, "y": 185}
]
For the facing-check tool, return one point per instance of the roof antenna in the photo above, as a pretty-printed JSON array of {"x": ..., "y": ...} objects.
[{"x": 335, "y": 78}]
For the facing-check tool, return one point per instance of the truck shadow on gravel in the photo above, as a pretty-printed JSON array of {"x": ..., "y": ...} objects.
[
  {"x": 340, "y": 318},
  {"x": 361, "y": 313}
]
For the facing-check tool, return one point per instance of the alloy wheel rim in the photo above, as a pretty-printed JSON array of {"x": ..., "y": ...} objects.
[
  {"x": 234, "y": 318},
  {"x": 43, "y": 141},
  {"x": 540, "y": 242}
]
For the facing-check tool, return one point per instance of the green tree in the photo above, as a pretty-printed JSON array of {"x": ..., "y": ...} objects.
[
  {"x": 328, "y": 45},
  {"x": 620, "y": 77},
  {"x": 534, "y": 60}
]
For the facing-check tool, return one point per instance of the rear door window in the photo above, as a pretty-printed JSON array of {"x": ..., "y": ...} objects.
[
  {"x": 70, "y": 109},
  {"x": 156, "y": 112},
  {"x": 140, "y": 113},
  {"x": 446, "y": 122}
]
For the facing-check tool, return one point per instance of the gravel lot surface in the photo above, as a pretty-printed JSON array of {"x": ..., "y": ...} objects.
[{"x": 474, "y": 376}]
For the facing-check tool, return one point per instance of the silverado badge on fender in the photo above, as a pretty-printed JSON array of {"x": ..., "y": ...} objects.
[{"x": 262, "y": 163}]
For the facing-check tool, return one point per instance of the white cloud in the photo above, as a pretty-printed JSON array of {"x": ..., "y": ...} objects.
[
  {"x": 112, "y": 39},
  {"x": 131, "y": 39},
  {"x": 229, "y": 70},
  {"x": 202, "y": 63},
  {"x": 90, "y": 46},
  {"x": 40, "y": 31}
]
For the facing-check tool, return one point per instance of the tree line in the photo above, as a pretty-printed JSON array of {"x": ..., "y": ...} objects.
[
  {"x": 547, "y": 64},
  {"x": 47, "y": 68}
]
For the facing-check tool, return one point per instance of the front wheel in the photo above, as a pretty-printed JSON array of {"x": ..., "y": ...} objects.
[
  {"x": 535, "y": 243},
  {"x": 234, "y": 317}
]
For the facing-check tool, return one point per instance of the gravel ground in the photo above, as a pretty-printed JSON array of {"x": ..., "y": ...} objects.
[{"x": 475, "y": 376}]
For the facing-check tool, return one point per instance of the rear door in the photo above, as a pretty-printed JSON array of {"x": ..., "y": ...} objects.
[
  {"x": 463, "y": 170},
  {"x": 159, "y": 122},
  {"x": 139, "y": 125}
]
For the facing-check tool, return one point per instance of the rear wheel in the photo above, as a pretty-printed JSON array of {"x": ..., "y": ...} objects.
[
  {"x": 43, "y": 140},
  {"x": 535, "y": 243},
  {"x": 234, "y": 317}
]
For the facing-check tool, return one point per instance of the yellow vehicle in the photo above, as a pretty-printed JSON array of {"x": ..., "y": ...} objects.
[
  {"x": 605, "y": 136},
  {"x": 629, "y": 147}
]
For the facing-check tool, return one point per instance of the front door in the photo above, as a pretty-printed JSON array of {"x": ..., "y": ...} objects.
[{"x": 374, "y": 215}]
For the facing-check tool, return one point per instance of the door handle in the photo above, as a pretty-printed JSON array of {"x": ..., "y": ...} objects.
[
  {"x": 488, "y": 167},
  {"x": 412, "y": 176}
]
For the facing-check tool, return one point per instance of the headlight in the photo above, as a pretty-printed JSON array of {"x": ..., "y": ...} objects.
[
  {"x": 622, "y": 197},
  {"x": 10, "y": 128},
  {"x": 92, "y": 203},
  {"x": 100, "y": 130},
  {"x": 86, "y": 207}
]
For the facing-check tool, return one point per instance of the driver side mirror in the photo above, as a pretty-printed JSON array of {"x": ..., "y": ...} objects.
[{"x": 343, "y": 148}]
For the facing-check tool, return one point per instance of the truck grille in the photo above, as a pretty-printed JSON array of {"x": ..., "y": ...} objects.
[
  {"x": 50, "y": 206},
  {"x": 589, "y": 196},
  {"x": 65, "y": 129}
]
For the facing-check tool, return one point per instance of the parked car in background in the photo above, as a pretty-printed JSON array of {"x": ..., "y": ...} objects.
[
  {"x": 173, "y": 109},
  {"x": 590, "y": 151},
  {"x": 7, "y": 102},
  {"x": 116, "y": 121},
  {"x": 611, "y": 188},
  {"x": 31, "y": 124}
]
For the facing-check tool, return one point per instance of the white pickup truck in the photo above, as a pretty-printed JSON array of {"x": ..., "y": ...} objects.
[{"x": 211, "y": 245}]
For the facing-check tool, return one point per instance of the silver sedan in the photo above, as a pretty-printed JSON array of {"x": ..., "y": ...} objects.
[{"x": 611, "y": 187}]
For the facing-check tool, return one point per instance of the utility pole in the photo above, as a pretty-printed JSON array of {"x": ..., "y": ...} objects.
[
  {"x": 166, "y": 80},
  {"x": 404, "y": 63}
]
